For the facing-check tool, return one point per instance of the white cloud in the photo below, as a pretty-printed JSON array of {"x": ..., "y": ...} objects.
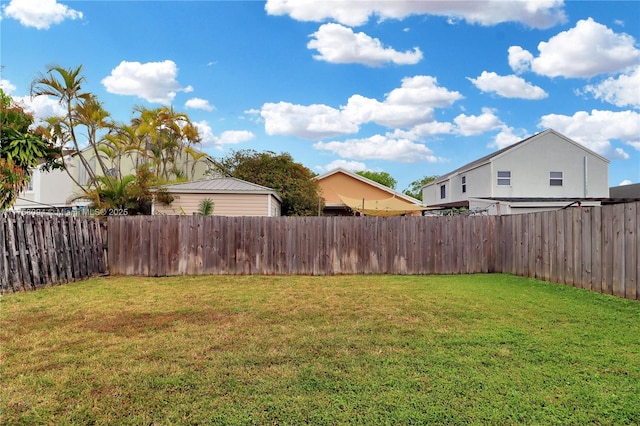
[
  {"x": 309, "y": 122},
  {"x": 197, "y": 103},
  {"x": 469, "y": 125},
  {"x": 228, "y": 137},
  {"x": 6, "y": 86},
  {"x": 623, "y": 90},
  {"x": 533, "y": 13},
  {"x": 340, "y": 45},
  {"x": 423, "y": 130},
  {"x": 519, "y": 59},
  {"x": 620, "y": 154},
  {"x": 39, "y": 14},
  {"x": 625, "y": 182},
  {"x": 235, "y": 136},
  {"x": 584, "y": 51},
  {"x": 379, "y": 147},
  {"x": 361, "y": 109},
  {"x": 152, "y": 81},
  {"x": 42, "y": 107},
  {"x": 406, "y": 106},
  {"x": 422, "y": 90},
  {"x": 507, "y": 137},
  {"x": 354, "y": 166},
  {"x": 595, "y": 130},
  {"x": 509, "y": 86}
]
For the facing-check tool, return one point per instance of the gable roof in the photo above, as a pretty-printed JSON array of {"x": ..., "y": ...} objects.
[
  {"x": 487, "y": 158},
  {"x": 220, "y": 185},
  {"x": 367, "y": 181}
]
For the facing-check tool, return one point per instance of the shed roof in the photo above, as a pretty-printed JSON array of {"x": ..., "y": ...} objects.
[{"x": 220, "y": 185}]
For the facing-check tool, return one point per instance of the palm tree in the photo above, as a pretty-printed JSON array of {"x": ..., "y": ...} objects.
[{"x": 65, "y": 85}]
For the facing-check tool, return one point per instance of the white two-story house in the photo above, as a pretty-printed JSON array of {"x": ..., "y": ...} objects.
[{"x": 546, "y": 171}]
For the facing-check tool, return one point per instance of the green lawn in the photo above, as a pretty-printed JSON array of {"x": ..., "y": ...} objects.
[{"x": 483, "y": 349}]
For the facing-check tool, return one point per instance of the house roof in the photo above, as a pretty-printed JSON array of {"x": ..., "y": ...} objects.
[
  {"x": 367, "y": 181},
  {"x": 487, "y": 158},
  {"x": 625, "y": 191},
  {"x": 221, "y": 185}
]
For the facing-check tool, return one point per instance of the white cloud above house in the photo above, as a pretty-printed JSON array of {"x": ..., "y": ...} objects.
[
  {"x": 152, "y": 81},
  {"x": 228, "y": 137},
  {"x": 42, "y": 107},
  {"x": 507, "y": 137},
  {"x": 39, "y": 14},
  {"x": 407, "y": 106},
  {"x": 379, "y": 147},
  {"x": 340, "y": 45},
  {"x": 596, "y": 129},
  {"x": 584, "y": 51},
  {"x": 305, "y": 121},
  {"x": 622, "y": 90},
  {"x": 424, "y": 130},
  {"x": 532, "y": 13},
  {"x": 507, "y": 86},
  {"x": 354, "y": 166},
  {"x": 198, "y": 103},
  {"x": 469, "y": 125}
]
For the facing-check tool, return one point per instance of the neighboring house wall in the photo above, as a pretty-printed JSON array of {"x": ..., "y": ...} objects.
[
  {"x": 347, "y": 184},
  {"x": 531, "y": 164},
  {"x": 341, "y": 184},
  {"x": 50, "y": 189},
  {"x": 224, "y": 204},
  {"x": 527, "y": 166},
  {"x": 56, "y": 188}
]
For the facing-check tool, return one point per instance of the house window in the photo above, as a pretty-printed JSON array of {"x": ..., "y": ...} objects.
[
  {"x": 443, "y": 191},
  {"x": 504, "y": 178},
  {"x": 555, "y": 178},
  {"x": 30, "y": 185},
  {"x": 464, "y": 184}
]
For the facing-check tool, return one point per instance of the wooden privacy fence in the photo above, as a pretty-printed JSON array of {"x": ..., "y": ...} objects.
[
  {"x": 40, "y": 250},
  {"x": 594, "y": 248}
]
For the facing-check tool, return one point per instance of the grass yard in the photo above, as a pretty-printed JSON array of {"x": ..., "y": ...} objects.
[{"x": 483, "y": 349}]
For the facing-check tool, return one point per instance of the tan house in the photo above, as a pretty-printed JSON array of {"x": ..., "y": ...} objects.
[
  {"x": 230, "y": 196},
  {"x": 346, "y": 193}
]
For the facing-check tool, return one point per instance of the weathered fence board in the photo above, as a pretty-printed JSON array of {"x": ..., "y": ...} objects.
[
  {"x": 593, "y": 248},
  {"x": 40, "y": 250}
]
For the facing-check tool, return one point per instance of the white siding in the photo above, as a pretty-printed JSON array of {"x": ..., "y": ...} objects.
[
  {"x": 54, "y": 188},
  {"x": 530, "y": 165}
]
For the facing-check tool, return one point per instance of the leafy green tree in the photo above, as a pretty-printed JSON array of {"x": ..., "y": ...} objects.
[
  {"x": 21, "y": 149},
  {"x": 415, "y": 188},
  {"x": 383, "y": 178},
  {"x": 292, "y": 181}
]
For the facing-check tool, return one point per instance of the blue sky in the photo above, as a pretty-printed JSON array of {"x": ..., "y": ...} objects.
[{"x": 412, "y": 88}]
